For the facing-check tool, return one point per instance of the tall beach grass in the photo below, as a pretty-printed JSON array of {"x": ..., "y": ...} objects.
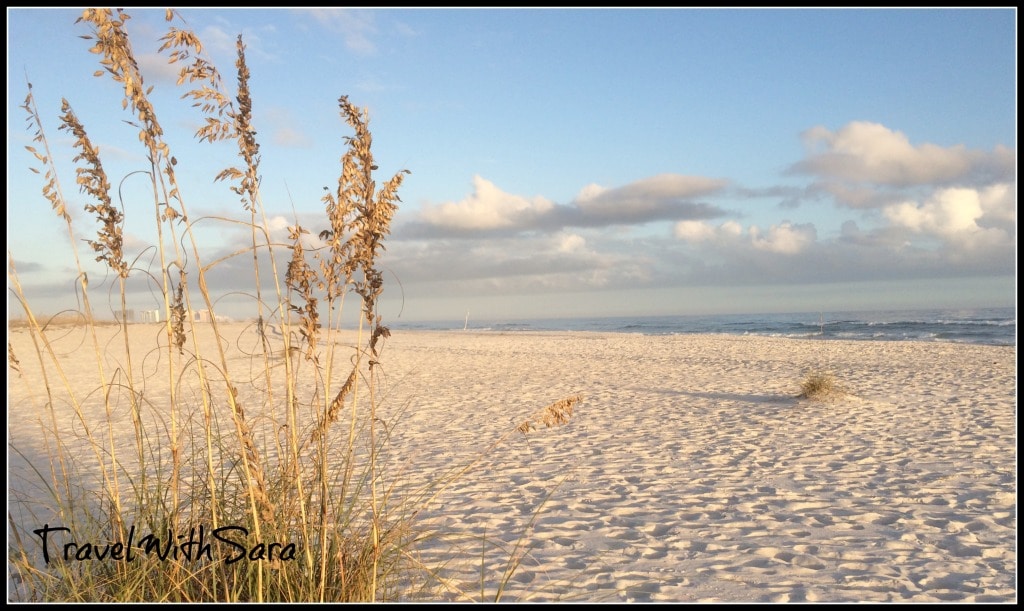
[
  {"x": 212, "y": 464},
  {"x": 258, "y": 480}
]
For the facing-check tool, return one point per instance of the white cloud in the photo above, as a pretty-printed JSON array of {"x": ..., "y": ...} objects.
[
  {"x": 859, "y": 195},
  {"x": 218, "y": 39},
  {"x": 488, "y": 207},
  {"x": 355, "y": 26},
  {"x": 732, "y": 228},
  {"x": 571, "y": 243},
  {"x": 278, "y": 228},
  {"x": 694, "y": 231},
  {"x": 969, "y": 222},
  {"x": 865, "y": 152},
  {"x": 589, "y": 192},
  {"x": 645, "y": 199},
  {"x": 222, "y": 43},
  {"x": 999, "y": 205},
  {"x": 784, "y": 238},
  {"x": 521, "y": 264},
  {"x": 154, "y": 68},
  {"x": 947, "y": 212}
]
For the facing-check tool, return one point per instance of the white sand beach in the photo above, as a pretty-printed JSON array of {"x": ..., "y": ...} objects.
[{"x": 690, "y": 471}]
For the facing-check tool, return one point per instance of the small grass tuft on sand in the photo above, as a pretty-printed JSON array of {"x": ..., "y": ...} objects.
[{"x": 820, "y": 386}]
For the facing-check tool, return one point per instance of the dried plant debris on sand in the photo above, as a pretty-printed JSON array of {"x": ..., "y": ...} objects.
[{"x": 556, "y": 414}]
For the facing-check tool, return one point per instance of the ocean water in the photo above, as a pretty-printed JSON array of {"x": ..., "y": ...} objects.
[{"x": 989, "y": 326}]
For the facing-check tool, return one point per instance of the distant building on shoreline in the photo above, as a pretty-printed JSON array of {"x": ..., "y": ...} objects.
[
  {"x": 205, "y": 316},
  {"x": 151, "y": 316},
  {"x": 124, "y": 315},
  {"x": 129, "y": 315}
]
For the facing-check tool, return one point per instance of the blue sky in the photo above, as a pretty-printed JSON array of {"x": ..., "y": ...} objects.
[{"x": 575, "y": 162}]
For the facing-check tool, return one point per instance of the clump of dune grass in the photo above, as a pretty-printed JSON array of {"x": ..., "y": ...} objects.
[
  {"x": 819, "y": 386},
  {"x": 820, "y": 383}
]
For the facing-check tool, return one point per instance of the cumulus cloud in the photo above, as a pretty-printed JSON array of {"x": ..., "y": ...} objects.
[
  {"x": 659, "y": 197},
  {"x": 945, "y": 232},
  {"x": 571, "y": 243},
  {"x": 785, "y": 238},
  {"x": 694, "y": 231},
  {"x": 860, "y": 196},
  {"x": 947, "y": 212},
  {"x": 924, "y": 211},
  {"x": 564, "y": 261},
  {"x": 489, "y": 209},
  {"x": 964, "y": 220},
  {"x": 999, "y": 206},
  {"x": 865, "y": 153}
]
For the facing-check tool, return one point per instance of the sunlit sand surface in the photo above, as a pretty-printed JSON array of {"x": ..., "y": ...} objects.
[{"x": 689, "y": 472}]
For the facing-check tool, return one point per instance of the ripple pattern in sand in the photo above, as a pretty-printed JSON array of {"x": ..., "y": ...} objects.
[{"x": 695, "y": 475}]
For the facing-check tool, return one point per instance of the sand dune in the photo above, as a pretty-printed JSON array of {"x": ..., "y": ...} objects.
[{"x": 690, "y": 471}]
